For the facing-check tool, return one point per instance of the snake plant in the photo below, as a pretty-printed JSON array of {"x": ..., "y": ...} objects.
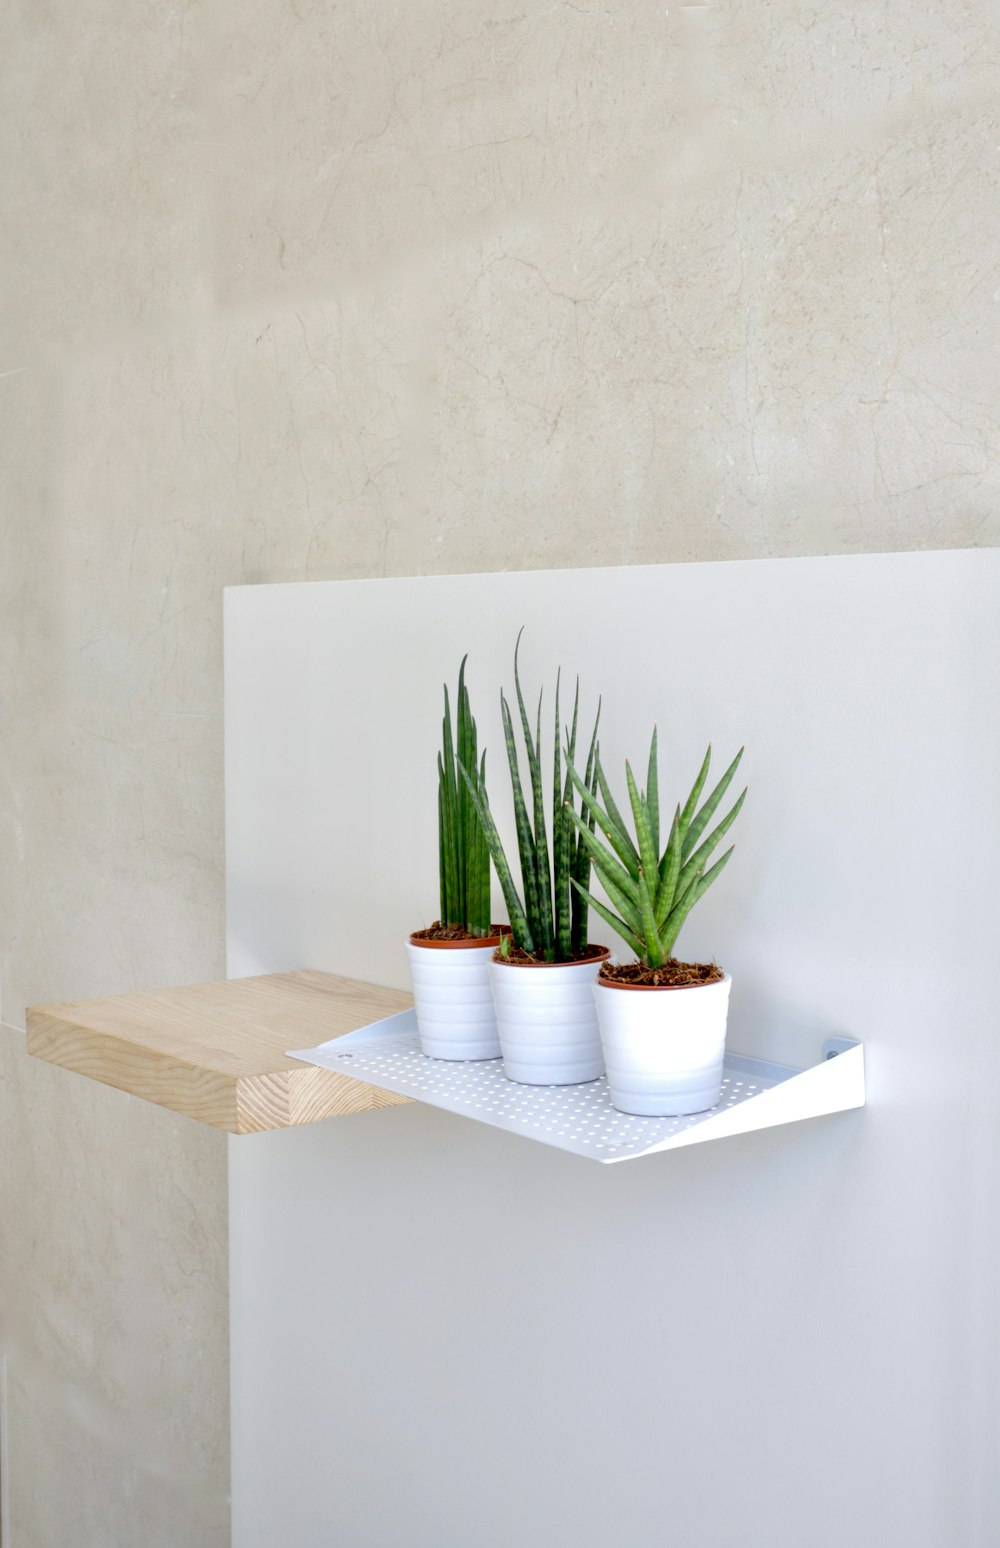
[
  {"x": 463, "y": 852},
  {"x": 653, "y": 893},
  {"x": 550, "y": 921}
]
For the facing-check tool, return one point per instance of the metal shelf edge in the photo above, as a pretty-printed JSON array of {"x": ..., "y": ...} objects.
[{"x": 789, "y": 1095}]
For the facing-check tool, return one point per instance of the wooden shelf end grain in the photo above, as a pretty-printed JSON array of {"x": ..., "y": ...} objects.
[{"x": 216, "y": 1052}]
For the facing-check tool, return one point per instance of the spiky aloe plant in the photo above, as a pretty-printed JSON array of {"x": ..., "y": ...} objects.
[
  {"x": 463, "y": 852},
  {"x": 653, "y": 892},
  {"x": 550, "y": 922}
]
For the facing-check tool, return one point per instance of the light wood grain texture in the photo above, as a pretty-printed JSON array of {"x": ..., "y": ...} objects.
[{"x": 216, "y": 1052}]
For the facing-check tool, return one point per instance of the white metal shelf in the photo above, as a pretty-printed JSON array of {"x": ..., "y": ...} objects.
[{"x": 755, "y": 1093}]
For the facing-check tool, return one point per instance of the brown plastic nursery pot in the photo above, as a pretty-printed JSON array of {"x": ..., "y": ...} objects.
[
  {"x": 620, "y": 983},
  {"x": 613, "y": 983},
  {"x": 594, "y": 954},
  {"x": 475, "y": 942}
]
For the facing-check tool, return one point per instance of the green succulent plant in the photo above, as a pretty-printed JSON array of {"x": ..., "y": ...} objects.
[
  {"x": 463, "y": 851},
  {"x": 550, "y": 921},
  {"x": 653, "y": 893}
]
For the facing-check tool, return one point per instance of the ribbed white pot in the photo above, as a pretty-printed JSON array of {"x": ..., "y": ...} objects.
[
  {"x": 547, "y": 1021},
  {"x": 664, "y": 1048},
  {"x": 452, "y": 998}
]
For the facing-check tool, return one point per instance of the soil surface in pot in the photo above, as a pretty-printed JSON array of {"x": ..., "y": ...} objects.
[
  {"x": 522, "y": 958},
  {"x": 439, "y": 932},
  {"x": 672, "y": 975}
]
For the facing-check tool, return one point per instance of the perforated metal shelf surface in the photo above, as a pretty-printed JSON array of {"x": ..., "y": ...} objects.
[{"x": 755, "y": 1094}]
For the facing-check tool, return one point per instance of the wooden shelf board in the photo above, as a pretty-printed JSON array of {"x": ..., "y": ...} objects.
[{"x": 216, "y": 1052}]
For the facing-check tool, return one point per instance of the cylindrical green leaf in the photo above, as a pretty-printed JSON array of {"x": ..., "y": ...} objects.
[
  {"x": 443, "y": 906},
  {"x": 652, "y": 955},
  {"x": 525, "y": 841},
  {"x": 462, "y": 803},
  {"x": 607, "y": 864},
  {"x": 696, "y": 789},
  {"x": 696, "y": 890},
  {"x": 618, "y": 925},
  {"x": 543, "y": 872},
  {"x": 653, "y": 797},
  {"x": 700, "y": 858},
  {"x": 647, "y": 854},
  {"x": 580, "y": 857},
  {"x": 515, "y": 911},
  {"x": 617, "y": 820},
  {"x": 483, "y": 897},
  {"x": 626, "y": 909},
  {"x": 626, "y": 852},
  {"x": 542, "y": 920},
  {"x": 450, "y": 855},
  {"x": 668, "y": 872},
  {"x": 560, "y": 851},
  {"x": 451, "y": 819},
  {"x": 707, "y": 812}
]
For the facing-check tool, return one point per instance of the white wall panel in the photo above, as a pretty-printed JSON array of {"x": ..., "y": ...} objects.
[{"x": 446, "y": 1336}]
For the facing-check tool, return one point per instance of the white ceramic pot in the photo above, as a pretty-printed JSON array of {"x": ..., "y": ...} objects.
[
  {"x": 663, "y": 1047},
  {"x": 547, "y": 1021},
  {"x": 452, "y": 997}
]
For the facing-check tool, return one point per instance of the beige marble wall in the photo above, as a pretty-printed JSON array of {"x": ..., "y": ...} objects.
[
  {"x": 301, "y": 290},
  {"x": 113, "y": 1315}
]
